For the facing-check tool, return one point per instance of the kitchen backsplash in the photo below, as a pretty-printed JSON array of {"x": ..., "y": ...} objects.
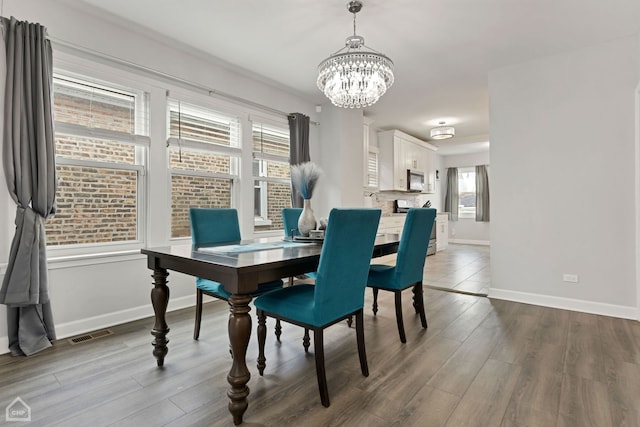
[{"x": 384, "y": 201}]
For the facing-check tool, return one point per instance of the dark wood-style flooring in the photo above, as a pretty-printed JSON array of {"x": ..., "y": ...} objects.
[{"x": 482, "y": 362}]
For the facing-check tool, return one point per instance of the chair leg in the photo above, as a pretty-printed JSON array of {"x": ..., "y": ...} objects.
[
  {"x": 361, "y": 348},
  {"x": 375, "y": 301},
  {"x": 196, "y": 327},
  {"x": 278, "y": 329},
  {"x": 418, "y": 297},
  {"x": 262, "y": 337},
  {"x": 318, "y": 344},
  {"x": 398, "y": 295},
  {"x": 306, "y": 341}
]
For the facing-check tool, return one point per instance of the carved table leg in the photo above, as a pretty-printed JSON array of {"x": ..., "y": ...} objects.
[
  {"x": 159, "y": 300},
  {"x": 262, "y": 337},
  {"x": 239, "y": 334}
]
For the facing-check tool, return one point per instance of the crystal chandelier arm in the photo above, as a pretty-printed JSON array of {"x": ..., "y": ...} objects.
[
  {"x": 375, "y": 51},
  {"x": 337, "y": 52}
]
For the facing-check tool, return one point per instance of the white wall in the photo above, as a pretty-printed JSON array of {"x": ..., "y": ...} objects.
[
  {"x": 341, "y": 160},
  {"x": 637, "y": 179},
  {"x": 467, "y": 230},
  {"x": 92, "y": 293},
  {"x": 562, "y": 165},
  {"x": 466, "y": 160}
]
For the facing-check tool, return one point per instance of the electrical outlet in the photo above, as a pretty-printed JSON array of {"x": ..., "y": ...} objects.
[{"x": 571, "y": 278}]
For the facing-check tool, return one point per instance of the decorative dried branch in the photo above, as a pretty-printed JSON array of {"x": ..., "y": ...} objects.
[{"x": 304, "y": 178}]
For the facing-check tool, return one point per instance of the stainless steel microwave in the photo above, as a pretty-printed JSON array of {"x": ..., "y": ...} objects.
[{"x": 415, "y": 180}]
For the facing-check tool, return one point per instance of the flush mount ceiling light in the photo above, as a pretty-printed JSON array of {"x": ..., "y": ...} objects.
[
  {"x": 442, "y": 132},
  {"x": 355, "y": 76}
]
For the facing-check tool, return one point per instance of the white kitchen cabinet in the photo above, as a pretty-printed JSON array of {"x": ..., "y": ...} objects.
[
  {"x": 391, "y": 224},
  {"x": 430, "y": 171},
  {"x": 442, "y": 231},
  {"x": 399, "y": 152},
  {"x": 399, "y": 161}
]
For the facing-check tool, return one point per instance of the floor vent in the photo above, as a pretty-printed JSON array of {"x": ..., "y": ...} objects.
[{"x": 91, "y": 336}]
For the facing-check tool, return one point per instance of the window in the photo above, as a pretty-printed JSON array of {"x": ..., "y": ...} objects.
[
  {"x": 272, "y": 181},
  {"x": 204, "y": 153},
  {"x": 466, "y": 193},
  {"x": 372, "y": 168},
  {"x": 101, "y": 150}
]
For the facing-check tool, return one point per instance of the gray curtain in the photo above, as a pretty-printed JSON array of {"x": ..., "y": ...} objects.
[
  {"x": 299, "y": 148},
  {"x": 29, "y": 167},
  {"x": 451, "y": 198},
  {"x": 482, "y": 194}
]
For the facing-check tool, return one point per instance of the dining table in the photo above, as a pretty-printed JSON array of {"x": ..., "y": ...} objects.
[{"x": 240, "y": 267}]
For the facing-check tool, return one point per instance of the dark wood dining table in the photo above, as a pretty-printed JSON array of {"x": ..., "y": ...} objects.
[{"x": 239, "y": 271}]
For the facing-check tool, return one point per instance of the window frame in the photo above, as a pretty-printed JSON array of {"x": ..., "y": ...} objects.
[
  {"x": 198, "y": 108},
  {"x": 72, "y": 69},
  {"x": 466, "y": 212},
  {"x": 277, "y": 127},
  {"x": 369, "y": 174}
]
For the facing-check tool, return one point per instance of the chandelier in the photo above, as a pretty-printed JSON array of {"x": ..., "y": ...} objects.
[{"x": 355, "y": 76}]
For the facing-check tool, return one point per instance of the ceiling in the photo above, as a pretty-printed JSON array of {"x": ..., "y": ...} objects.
[{"x": 442, "y": 49}]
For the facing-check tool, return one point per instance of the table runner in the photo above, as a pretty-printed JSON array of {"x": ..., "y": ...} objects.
[{"x": 251, "y": 247}]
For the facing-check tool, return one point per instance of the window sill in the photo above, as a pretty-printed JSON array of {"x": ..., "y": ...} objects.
[
  {"x": 69, "y": 261},
  {"x": 79, "y": 255},
  {"x": 261, "y": 222},
  {"x": 267, "y": 233},
  {"x": 466, "y": 216}
]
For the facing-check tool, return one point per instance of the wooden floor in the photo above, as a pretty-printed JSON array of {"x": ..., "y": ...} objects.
[
  {"x": 460, "y": 268},
  {"x": 482, "y": 363}
]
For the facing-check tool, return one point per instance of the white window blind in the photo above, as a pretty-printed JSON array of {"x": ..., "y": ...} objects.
[
  {"x": 195, "y": 123},
  {"x": 372, "y": 168}
]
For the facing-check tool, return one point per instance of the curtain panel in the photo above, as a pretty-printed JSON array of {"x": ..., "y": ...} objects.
[
  {"x": 451, "y": 198},
  {"x": 299, "y": 148},
  {"x": 29, "y": 168},
  {"x": 482, "y": 194}
]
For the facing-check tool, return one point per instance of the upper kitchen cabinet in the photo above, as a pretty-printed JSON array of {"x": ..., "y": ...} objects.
[{"x": 400, "y": 152}]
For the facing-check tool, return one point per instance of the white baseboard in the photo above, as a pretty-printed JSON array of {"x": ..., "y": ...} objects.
[
  {"x": 471, "y": 242},
  {"x": 4, "y": 345},
  {"x": 77, "y": 327},
  {"x": 65, "y": 330},
  {"x": 621, "y": 311}
]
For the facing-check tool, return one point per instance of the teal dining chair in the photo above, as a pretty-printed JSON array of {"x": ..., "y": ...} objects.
[
  {"x": 290, "y": 218},
  {"x": 337, "y": 294},
  {"x": 409, "y": 268},
  {"x": 218, "y": 225}
]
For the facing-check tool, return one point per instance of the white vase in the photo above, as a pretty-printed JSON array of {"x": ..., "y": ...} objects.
[{"x": 306, "y": 221}]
